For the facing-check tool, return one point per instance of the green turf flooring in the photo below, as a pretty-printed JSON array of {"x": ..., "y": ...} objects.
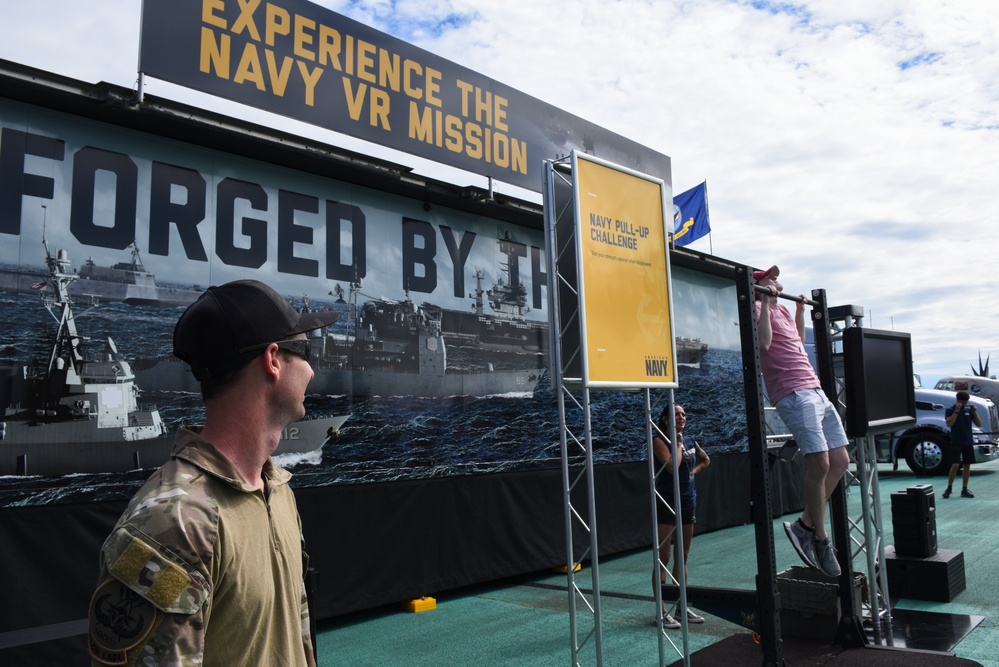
[{"x": 524, "y": 621}]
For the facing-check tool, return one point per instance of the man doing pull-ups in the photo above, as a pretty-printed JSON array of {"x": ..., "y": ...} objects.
[{"x": 795, "y": 390}]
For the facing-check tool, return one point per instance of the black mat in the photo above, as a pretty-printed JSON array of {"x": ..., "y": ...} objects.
[
  {"x": 740, "y": 650},
  {"x": 926, "y": 630}
]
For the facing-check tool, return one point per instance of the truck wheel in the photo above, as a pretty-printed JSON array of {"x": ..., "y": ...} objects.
[{"x": 927, "y": 456}]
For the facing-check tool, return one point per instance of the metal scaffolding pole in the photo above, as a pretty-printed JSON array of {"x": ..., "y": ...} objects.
[
  {"x": 558, "y": 217},
  {"x": 767, "y": 592},
  {"x": 865, "y": 528},
  {"x": 877, "y": 607},
  {"x": 575, "y": 439}
]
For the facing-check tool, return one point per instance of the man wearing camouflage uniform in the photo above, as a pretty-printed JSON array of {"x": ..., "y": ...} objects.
[{"x": 205, "y": 567}]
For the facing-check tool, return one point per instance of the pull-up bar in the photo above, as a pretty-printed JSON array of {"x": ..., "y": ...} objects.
[{"x": 781, "y": 295}]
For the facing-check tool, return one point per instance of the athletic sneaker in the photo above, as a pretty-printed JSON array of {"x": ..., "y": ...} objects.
[
  {"x": 966, "y": 494},
  {"x": 801, "y": 540},
  {"x": 946, "y": 493},
  {"x": 670, "y": 623},
  {"x": 825, "y": 558},
  {"x": 694, "y": 618}
]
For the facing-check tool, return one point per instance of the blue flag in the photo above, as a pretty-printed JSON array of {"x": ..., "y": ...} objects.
[{"x": 690, "y": 215}]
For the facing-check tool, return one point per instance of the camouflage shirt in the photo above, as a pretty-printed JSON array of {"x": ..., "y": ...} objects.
[{"x": 203, "y": 569}]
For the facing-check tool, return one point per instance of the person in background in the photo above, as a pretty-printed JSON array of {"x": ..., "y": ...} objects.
[
  {"x": 206, "y": 564},
  {"x": 795, "y": 391},
  {"x": 960, "y": 418},
  {"x": 692, "y": 460}
]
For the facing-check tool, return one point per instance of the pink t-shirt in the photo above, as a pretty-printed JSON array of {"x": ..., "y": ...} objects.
[{"x": 785, "y": 365}]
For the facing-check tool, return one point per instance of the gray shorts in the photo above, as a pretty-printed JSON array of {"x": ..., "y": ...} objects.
[{"x": 812, "y": 420}]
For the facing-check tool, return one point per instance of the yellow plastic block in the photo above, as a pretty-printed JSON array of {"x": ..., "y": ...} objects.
[
  {"x": 420, "y": 604},
  {"x": 563, "y": 569}
]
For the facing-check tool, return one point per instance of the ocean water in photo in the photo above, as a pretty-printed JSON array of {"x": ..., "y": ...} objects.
[{"x": 392, "y": 437}]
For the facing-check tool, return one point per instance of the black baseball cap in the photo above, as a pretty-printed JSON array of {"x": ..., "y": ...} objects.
[{"x": 241, "y": 315}]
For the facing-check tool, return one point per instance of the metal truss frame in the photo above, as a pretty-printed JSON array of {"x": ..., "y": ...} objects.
[
  {"x": 856, "y": 537},
  {"x": 863, "y": 531},
  {"x": 575, "y": 439}
]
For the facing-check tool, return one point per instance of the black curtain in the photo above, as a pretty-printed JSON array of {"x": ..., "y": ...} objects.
[{"x": 371, "y": 544}]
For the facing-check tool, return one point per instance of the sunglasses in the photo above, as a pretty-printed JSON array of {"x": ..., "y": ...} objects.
[{"x": 300, "y": 347}]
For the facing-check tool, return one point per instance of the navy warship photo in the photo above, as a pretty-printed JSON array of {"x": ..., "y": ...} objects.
[
  {"x": 690, "y": 351},
  {"x": 506, "y": 327},
  {"x": 128, "y": 282},
  {"x": 79, "y": 413},
  {"x": 391, "y": 347},
  {"x": 399, "y": 349}
]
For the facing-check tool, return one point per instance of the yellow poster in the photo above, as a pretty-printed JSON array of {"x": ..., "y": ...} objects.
[{"x": 625, "y": 309}]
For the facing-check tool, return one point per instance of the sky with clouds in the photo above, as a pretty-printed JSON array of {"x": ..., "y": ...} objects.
[{"x": 853, "y": 143}]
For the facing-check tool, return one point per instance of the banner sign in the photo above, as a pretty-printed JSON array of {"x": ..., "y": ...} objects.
[
  {"x": 624, "y": 283},
  {"x": 300, "y": 60},
  {"x": 434, "y": 369}
]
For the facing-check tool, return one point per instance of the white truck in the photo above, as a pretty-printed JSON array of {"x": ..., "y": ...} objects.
[
  {"x": 926, "y": 445},
  {"x": 976, "y": 385}
]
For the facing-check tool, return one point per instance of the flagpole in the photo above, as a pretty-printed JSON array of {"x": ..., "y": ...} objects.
[{"x": 672, "y": 234}]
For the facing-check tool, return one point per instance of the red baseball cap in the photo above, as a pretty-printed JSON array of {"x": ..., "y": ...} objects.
[{"x": 772, "y": 272}]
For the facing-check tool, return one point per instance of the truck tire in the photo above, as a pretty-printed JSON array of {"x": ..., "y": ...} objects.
[{"x": 927, "y": 454}]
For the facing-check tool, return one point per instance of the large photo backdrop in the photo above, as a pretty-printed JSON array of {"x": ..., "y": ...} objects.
[
  {"x": 431, "y": 415},
  {"x": 435, "y": 368}
]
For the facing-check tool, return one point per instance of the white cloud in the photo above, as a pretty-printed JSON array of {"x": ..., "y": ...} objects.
[{"x": 852, "y": 142}]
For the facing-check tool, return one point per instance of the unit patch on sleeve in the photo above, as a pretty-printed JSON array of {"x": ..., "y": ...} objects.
[{"x": 120, "y": 620}]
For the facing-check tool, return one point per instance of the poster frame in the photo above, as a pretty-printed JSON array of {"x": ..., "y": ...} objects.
[{"x": 589, "y": 379}]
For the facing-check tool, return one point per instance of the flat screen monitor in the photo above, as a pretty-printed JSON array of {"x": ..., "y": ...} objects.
[{"x": 880, "y": 396}]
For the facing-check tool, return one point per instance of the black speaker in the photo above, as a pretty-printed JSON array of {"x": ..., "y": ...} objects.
[
  {"x": 939, "y": 577},
  {"x": 914, "y": 522}
]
